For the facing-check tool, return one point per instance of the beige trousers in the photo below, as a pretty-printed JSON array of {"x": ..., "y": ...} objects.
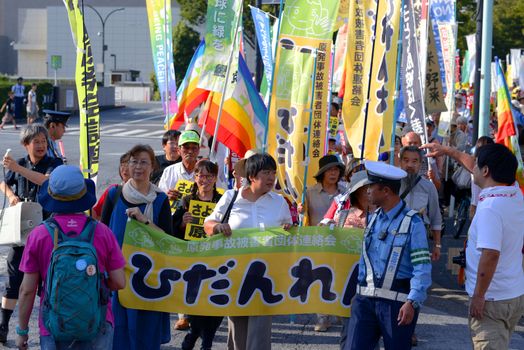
[{"x": 494, "y": 330}]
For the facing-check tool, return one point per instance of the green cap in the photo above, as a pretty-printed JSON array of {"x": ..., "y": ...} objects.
[{"x": 188, "y": 136}]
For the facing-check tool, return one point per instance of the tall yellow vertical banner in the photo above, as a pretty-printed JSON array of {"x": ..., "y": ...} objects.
[
  {"x": 306, "y": 31},
  {"x": 371, "y": 63},
  {"x": 86, "y": 89}
]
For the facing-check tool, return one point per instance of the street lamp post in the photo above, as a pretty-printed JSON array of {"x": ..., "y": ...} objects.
[{"x": 104, "y": 47}]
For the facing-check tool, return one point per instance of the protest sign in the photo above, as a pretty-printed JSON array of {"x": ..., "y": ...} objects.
[{"x": 253, "y": 272}]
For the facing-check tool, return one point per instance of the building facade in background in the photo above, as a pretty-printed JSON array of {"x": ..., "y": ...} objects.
[{"x": 32, "y": 31}]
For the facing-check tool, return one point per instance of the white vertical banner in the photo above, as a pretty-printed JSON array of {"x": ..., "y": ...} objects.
[
  {"x": 515, "y": 64},
  {"x": 470, "y": 40},
  {"x": 448, "y": 34}
]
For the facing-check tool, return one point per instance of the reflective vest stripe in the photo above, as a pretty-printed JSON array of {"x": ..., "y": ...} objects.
[
  {"x": 369, "y": 269},
  {"x": 396, "y": 252}
]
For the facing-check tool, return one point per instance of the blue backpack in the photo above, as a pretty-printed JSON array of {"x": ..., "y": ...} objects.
[{"x": 76, "y": 294}]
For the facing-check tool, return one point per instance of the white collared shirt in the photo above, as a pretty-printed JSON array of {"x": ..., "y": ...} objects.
[
  {"x": 172, "y": 174},
  {"x": 270, "y": 210}
]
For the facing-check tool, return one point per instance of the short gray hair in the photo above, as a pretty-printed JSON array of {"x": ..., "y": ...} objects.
[
  {"x": 413, "y": 149},
  {"x": 31, "y": 131}
]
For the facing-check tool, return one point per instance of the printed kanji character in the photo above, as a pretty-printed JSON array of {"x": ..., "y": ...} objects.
[
  {"x": 221, "y": 4},
  {"x": 218, "y": 31}
]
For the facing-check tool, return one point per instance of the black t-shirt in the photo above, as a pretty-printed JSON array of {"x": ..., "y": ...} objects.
[
  {"x": 22, "y": 187},
  {"x": 10, "y": 106},
  {"x": 162, "y": 164}
]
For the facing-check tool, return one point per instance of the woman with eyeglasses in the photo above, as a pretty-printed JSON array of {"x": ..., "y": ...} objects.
[
  {"x": 123, "y": 171},
  {"x": 204, "y": 190},
  {"x": 143, "y": 201}
]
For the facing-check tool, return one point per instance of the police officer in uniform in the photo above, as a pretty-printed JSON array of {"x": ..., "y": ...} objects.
[
  {"x": 22, "y": 183},
  {"x": 394, "y": 268},
  {"x": 55, "y": 123}
]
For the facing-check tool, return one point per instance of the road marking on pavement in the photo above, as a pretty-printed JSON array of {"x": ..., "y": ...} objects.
[{"x": 132, "y": 132}]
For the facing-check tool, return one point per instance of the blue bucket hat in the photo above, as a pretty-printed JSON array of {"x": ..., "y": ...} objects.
[{"x": 66, "y": 191}]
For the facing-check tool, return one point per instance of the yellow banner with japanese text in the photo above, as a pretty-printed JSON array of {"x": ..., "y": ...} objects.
[
  {"x": 303, "y": 49},
  {"x": 274, "y": 272},
  {"x": 371, "y": 63}
]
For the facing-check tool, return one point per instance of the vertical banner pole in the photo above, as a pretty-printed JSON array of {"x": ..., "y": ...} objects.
[
  {"x": 397, "y": 84},
  {"x": 166, "y": 69},
  {"x": 85, "y": 87},
  {"x": 374, "y": 38},
  {"x": 264, "y": 147}
]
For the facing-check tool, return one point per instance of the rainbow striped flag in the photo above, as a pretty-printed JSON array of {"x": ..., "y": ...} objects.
[
  {"x": 507, "y": 130},
  {"x": 243, "y": 119},
  {"x": 189, "y": 95}
]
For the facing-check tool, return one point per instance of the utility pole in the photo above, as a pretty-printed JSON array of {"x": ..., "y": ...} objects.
[
  {"x": 485, "y": 71},
  {"x": 476, "y": 84},
  {"x": 104, "y": 46}
]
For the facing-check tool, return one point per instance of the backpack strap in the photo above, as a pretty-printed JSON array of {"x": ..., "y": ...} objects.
[
  {"x": 58, "y": 236},
  {"x": 114, "y": 199}
]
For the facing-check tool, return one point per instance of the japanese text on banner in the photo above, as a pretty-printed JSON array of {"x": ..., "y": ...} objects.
[
  {"x": 199, "y": 211},
  {"x": 223, "y": 17},
  {"x": 250, "y": 273}
]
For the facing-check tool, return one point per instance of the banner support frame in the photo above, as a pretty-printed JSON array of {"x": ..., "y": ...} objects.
[{"x": 264, "y": 146}]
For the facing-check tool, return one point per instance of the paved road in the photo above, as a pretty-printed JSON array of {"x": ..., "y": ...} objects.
[{"x": 442, "y": 323}]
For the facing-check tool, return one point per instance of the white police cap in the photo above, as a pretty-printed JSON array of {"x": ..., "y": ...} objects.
[{"x": 379, "y": 172}]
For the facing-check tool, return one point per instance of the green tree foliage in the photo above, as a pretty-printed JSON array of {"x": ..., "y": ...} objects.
[
  {"x": 194, "y": 12},
  {"x": 185, "y": 42},
  {"x": 466, "y": 17},
  {"x": 508, "y": 24}
]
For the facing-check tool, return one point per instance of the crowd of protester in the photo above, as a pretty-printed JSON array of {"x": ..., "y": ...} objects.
[{"x": 408, "y": 191}]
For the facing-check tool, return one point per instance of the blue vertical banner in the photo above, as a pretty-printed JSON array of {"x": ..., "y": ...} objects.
[
  {"x": 441, "y": 11},
  {"x": 263, "y": 31}
]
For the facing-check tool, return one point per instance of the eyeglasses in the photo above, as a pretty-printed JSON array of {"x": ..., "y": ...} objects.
[
  {"x": 142, "y": 163},
  {"x": 205, "y": 177}
]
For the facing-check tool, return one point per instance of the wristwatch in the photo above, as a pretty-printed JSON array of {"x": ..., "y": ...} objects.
[
  {"x": 414, "y": 303},
  {"x": 22, "y": 331},
  {"x": 438, "y": 246}
]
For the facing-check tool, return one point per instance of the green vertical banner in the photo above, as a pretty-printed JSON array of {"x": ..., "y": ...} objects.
[
  {"x": 306, "y": 31},
  {"x": 160, "y": 29},
  {"x": 222, "y": 20}
]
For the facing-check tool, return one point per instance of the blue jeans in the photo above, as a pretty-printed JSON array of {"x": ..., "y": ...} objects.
[{"x": 103, "y": 341}]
